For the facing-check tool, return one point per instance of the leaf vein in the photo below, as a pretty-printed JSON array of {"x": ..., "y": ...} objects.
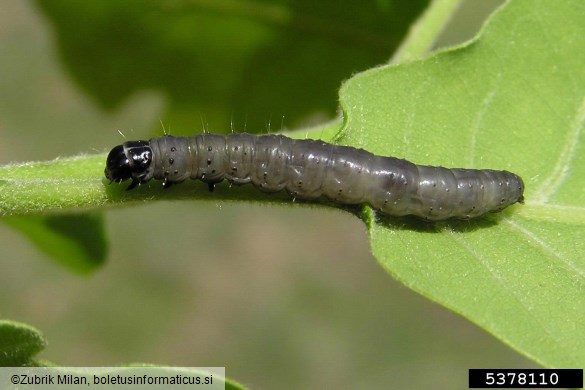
[
  {"x": 540, "y": 243},
  {"x": 502, "y": 283},
  {"x": 562, "y": 167}
]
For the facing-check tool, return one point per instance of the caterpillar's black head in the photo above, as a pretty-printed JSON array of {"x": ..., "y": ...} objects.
[{"x": 131, "y": 160}]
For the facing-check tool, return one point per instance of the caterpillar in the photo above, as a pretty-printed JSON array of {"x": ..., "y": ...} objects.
[{"x": 309, "y": 169}]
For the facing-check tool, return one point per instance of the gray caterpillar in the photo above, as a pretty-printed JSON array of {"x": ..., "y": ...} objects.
[{"x": 309, "y": 169}]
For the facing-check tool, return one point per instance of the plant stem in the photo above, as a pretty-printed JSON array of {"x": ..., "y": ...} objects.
[{"x": 425, "y": 31}]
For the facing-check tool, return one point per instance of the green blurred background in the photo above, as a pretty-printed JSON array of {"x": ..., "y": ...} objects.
[{"x": 283, "y": 297}]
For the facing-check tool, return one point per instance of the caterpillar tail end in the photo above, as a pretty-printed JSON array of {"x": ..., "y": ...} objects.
[{"x": 520, "y": 189}]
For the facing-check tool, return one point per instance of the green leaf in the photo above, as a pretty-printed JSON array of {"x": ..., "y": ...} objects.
[
  {"x": 512, "y": 99},
  {"x": 77, "y": 241},
  {"x": 19, "y": 343},
  {"x": 222, "y": 61}
]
